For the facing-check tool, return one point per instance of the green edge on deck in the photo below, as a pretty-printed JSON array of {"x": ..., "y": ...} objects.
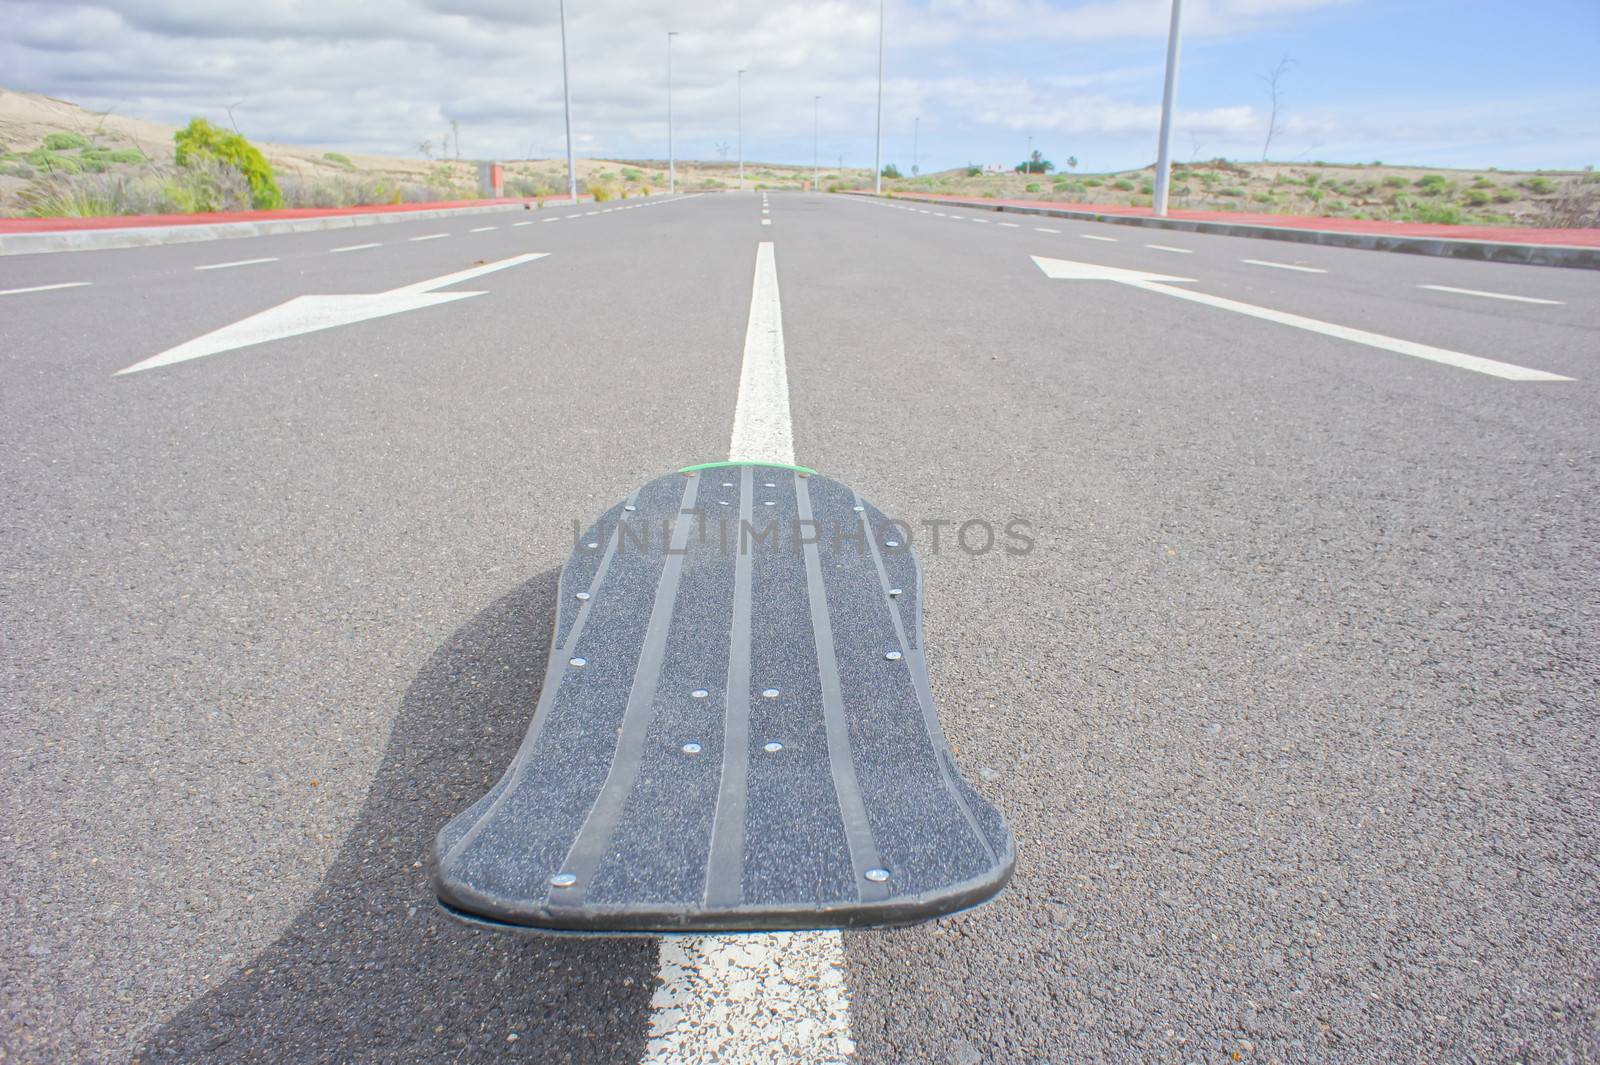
[{"x": 748, "y": 462}]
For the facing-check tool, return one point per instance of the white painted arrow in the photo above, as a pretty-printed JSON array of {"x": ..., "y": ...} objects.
[
  {"x": 1075, "y": 271},
  {"x": 307, "y": 314}
]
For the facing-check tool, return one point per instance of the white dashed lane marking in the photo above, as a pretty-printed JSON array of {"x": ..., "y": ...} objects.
[
  {"x": 44, "y": 288},
  {"x": 1284, "y": 266},
  {"x": 1095, "y": 236},
  {"x": 1011, "y": 225},
  {"x": 432, "y": 236},
  {"x": 237, "y": 262},
  {"x": 353, "y": 247},
  {"x": 1168, "y": 247},
  {"x": 482, "y": 229},
  {"x": 1492, "y": 295}
]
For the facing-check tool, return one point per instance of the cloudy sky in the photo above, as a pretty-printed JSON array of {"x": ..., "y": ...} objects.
[{"x": 1419, "y": 81}]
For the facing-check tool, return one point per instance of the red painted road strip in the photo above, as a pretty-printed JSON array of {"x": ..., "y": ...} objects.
[
  {"x": 134, "y": 221},
  {"x": 1586, "y": 238}
]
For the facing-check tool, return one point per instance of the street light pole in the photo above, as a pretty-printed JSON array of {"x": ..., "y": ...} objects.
[
  {"x": 672, "y": 163},
  {"x": 1163, "y": 152},
  {"x": 566, "y": 102},
  {"x": 741, "y": 130},
  {"x": 877, "y": 155},
  {"x": 816, "y": 108}
]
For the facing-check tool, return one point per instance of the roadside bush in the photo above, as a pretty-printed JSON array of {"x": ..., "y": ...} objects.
[
  {"x": 1147, "y": 189},
  {"x": 61, "y": 142},
  {"x": 1232, "y": 190},
  {"x": 1506, "y": 196},
  {"x": 205, "y": 185},
  {"x": 1092, "y": 183},
  {"x": 891, "y": 171},
  {"x": 1262, "y": 197},
  {"x": 200, "y": 141},
  {"x": 974, "y": 171},
  {"x": 54, "y": 162},
  {"x": 1394, "y": 181},
  {"x": 1476, "y": 198},
  {"x": 99, "y": 160},
  {"x": 1432, "y": 184},
  {"x": 598, "y": 190},
  {"x": 1032, "y": 186},
  {"x": 339, "y": 159},
  {"x": 1122, "y": 185}
]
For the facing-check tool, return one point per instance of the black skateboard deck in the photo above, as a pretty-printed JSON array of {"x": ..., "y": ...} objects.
[{"x": 736, "y": 730}]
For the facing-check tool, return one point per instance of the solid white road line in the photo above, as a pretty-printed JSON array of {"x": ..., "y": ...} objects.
[
  {"x": 432, "y": 236},
  {"x": 1492, "y": 295},
  {"x": 777, "y": 996},
  {"x": 1284, "y": 266},
  {"x": 353, "y": 247},
  {"x": 482, "y": 229},
  {"x": 1168, "y": 247},
  {"x": 44, "y": 288},
  {"x": 307, "y": 314},
  {"x": 1042, "y": 229},
  {"x": 1066, "y": 269},
  {"x": 237, "y": 262},
  {"x": 1095, "y": 236}
]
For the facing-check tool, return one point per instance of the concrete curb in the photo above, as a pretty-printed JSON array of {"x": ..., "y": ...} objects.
[
  {"x": 144, "y": 236},
  {"x": 1568, "y": 255}
]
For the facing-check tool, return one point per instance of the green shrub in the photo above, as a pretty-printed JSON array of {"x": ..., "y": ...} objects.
[
  {"x": 200, "y": 141},
  {"x": 891, "y": 171},
  {"x": 1394, "y": 181},
  {"x": 61, "y": 142},
  {"x": 54, "y": 162},
  {"x": 1476, "y": 198},
  {"x": 991, "y": 195},
  {"x": 98, "y": 160},
  {"x": 630, "y": 174},
  {"x": 1481, "y": 182},
  {"x": 1092, "y": 183},
  {"x": 1122, "y": 185},
  {"x": 1031, "y": 187},
  {"x": 1538, "y": 185},
  {"x": 1231, "y": 190},
  {"x": 974, "y": 171},
  {"x": 1506, "y": 196},
  {"x": 599, "y": 191},
  {"x": 1262, "y": 197},
  {"x": 339, "y": 159},
  {"x": 1146, "y": 188},
  {"x": 1432, "y": 184}
]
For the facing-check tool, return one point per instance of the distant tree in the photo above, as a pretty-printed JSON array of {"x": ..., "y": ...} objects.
[
  {"x": 1072, "y": 162},
  {"x": 891, "y": 171},
  {"x": 1035, "y": 164},
  {"x": 1272, "y": 78},
  {"x": 425, "y": 146},
  {"x": 722, "y": 148}
]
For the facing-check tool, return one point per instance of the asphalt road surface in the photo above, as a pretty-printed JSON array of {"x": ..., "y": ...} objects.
[{"x": 1292, "y": 708}]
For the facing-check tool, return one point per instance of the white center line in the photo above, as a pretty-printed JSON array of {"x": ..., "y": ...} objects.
[
  {"x": 353, "y": 247},
  {"x": 239, "y": 262},
  {"x": 766, "y": 221},
  {"x": 529, "y": 222},
  {"x": 1095, "y": 236},
  {"x": 482, "y": 229},
  {"x": 431, "y": 236},
  {"x": 556, "y": 219},
  {"x": 1168, "y": 247},
  {"x": 1283, "y": 266},
  {"x": 982, "y": 221},
  {"x": 938, "y": 214},
  {"x": 1042, "y": 229},
  {"x": 1011, "y": 225},
  {"x": 44, "y": 288},
  {"x": 1492, "y": 295},
  {"x": 587, "y": 213}
]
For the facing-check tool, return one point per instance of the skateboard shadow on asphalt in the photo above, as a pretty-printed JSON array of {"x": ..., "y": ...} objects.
[{"x": 370, "y": 970}]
